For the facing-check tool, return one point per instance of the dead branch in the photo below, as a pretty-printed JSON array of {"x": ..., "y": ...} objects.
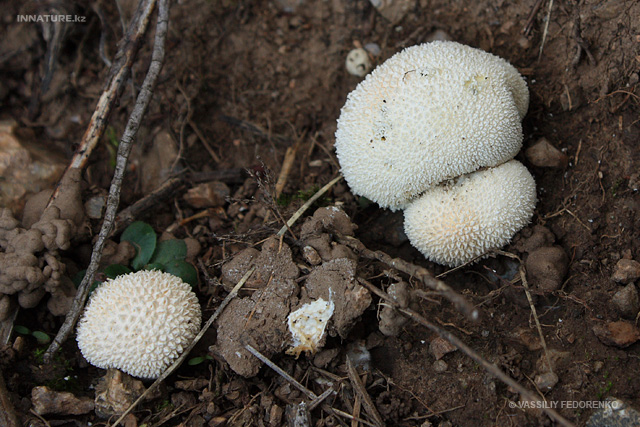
[
  {"x": 118, "y": 75},
  {"x": 491, "y": 368},
  {"x": 420, "y": 273},
  {"x": 195, "y": 341},
  {"x": 113, "y": 199}
]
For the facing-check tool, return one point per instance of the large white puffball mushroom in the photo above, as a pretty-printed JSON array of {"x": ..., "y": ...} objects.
[
  {"x": 139, "y": 323},
  {"x": 462, "y": 219},
  {"x": 429, "y": 113}
]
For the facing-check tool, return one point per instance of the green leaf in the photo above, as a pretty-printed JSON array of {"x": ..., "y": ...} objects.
[
  {"x": 195, "y": 361},
  {"x": 142, "y": 236},
  {"x": 115, "y": 270},
  {"x": 183, "y": 270},
  {"x": 169, "y": 250},
  {"x": 22, "y": 330},
  {"x": 42, "y": 337}
]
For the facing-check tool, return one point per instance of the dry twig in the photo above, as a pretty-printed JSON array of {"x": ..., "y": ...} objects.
[
  {"x": 420, "y": 273},
  {"x": 489, "y": 367},
  {"x": 362, "y": 393},
  {"x": 195, "y": 341},
  {"x": 118, "y": 75},
  {"x": 113, "y": 199}
]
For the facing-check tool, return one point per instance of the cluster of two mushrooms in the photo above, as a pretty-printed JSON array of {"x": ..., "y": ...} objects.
[{"x": 433, "y": 131}]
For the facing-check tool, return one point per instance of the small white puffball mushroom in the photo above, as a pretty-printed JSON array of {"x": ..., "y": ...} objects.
[
  {"x": 459, "y": 220},
  {"x": 139, "y": 323},
  {"x": 429, "y": 113},
  {"x": 358, "y": 62},
  {"x": 307, "y": 325}
]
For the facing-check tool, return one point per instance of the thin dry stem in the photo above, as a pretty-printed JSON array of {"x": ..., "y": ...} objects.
[
  {"x": 362, "y": 393},
  {"x": 113, "y": 199}
]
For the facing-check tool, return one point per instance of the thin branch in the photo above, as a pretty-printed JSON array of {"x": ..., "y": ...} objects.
[
  {"x": 420, "y": 273},
  {"x": 362, "y": 392},
  {"x": 195, "y": 341},
  {"x": 118, "y": 75},
  {"x": 113, "y": 199},
  {"x": 489, "y": 367}
]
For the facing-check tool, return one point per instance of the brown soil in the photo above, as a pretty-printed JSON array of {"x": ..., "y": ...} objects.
[{"x": 256, "y": 78}]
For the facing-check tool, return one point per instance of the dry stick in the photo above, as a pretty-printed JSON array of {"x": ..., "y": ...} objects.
[
  {"x": 532, "y": 16},
  {"x": 118, "y": 75},
  {"x": 525, "y": 285},
  {"x": 546, "y": 29},
  {"x": 311, "y": 395},
  {"x": 362, "y": 392},
  {"x": 116, "y": 183},
  {"x": 306, "y": 206},
  {"x": 195, "y": 341},
  {"x": 420, "y": 273},
  {"x": 489, "y": 367}
]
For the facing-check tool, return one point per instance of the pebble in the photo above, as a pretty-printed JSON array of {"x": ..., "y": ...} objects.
[
  {"x": 543, "y": 154},
  {"x": 440, "y": 366},
  {"x": 46, "y": 401},
  {"x": 547, "y": 266},
  {"x": 617, "y": 334},
  {"x": 358, "y": 62},
  {"x": 545, "y": 382},
  {"x": 626, "y": 271},
  {"x": 626, "y": 301}
]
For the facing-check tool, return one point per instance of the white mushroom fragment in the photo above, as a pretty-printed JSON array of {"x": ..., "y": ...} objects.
[
  {"x": 139, "y": 323},
  {"x": 460, "y": 220},
  {"x": 429, "y": 113},
  {"x": 307, "y": 325}
]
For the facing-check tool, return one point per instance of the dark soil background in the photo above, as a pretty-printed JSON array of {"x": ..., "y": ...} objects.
[{"x": 242, "y": 82}]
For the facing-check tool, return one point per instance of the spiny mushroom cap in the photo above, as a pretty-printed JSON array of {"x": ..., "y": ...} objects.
[
  {"x": 139, "y": 323},
  {"x": 429, "y": 113},
  {"x": 460, "y": 220}
]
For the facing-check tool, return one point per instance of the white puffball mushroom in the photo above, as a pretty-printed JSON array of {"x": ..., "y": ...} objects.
[
  {"x": 307, "y": 325},
  {"x": 462, "y": 219},
  {"x": 139, "y": 323},
  {"x": 429, "y": 113},
  {"x": 358, "y": 62}
]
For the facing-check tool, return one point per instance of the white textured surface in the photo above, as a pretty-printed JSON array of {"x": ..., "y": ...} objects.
[
  {"x": 139, "y": 323},
  {"x": 429, "y": 113},
  {"x": 308, "y": 323},
  {"x": 457, "y": 221}
]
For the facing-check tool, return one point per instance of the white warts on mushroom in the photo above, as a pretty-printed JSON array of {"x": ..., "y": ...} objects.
[
  {"x": 462, "y": 219},
  {"x": 433, "y": 131},
  {"x": 429, "y": 113},
  {"x": 139, "y": 323}
]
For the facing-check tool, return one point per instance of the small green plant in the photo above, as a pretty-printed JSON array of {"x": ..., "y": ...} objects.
[
  {"x": 112, "y": 145},
  {"x": 194, "y": 361},
  {"x": 40, "y": 336},
  {"x": 303, "y": 195},
  {"x": 168, "y": 256}
]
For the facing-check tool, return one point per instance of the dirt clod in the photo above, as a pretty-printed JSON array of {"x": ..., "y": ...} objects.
[
  {"x": 547, "y": 266},
  {"x": 543, "y": 154},
  {"x": 438, "y": 347},
  {"x": 626, "y": 271},
  {"x": 115, "y": 392},
  {"x": 46, "y": 401},
  {"x": 619, "y": 334},
  {"x": 626, "y": 301}
]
